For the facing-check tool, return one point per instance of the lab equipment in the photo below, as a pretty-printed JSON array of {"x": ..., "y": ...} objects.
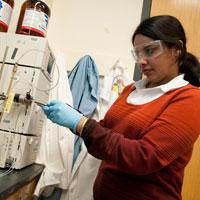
[
  {"x": 34, "y": 17},
  {"x": 26, "y": 66}
]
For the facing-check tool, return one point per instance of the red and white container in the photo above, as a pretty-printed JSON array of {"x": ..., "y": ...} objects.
[
  {"x": 34, "y": 18},
  {"x": 6, "y": 8}
]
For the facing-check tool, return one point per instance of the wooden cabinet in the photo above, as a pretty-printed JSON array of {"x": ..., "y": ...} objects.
[
  {"x": 191, "y": 182},
  {"x": 25, "y": 192},
  {"x": 19, "y": 184},
  {"x": 188, "y": 12}
]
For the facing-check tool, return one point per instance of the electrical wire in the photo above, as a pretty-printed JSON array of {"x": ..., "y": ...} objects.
[
  {"x": 43, "y": 72},
  {"x": 11, "y": 168}
]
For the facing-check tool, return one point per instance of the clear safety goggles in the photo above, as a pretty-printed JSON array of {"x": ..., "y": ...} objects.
[{"x": 147, "y": 50}]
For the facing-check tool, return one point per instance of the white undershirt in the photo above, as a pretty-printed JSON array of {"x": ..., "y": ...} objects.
[{"x": 142, "y": 95}]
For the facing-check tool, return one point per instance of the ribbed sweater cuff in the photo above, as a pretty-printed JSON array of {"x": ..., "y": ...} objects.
[{"x": 88, "y": 128}]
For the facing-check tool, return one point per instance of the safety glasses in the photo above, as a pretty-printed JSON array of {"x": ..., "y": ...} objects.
[{"x": 148, "y": 50}]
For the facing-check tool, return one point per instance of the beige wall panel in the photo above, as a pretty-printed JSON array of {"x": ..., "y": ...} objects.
[
  {"x": 188, "y": 12},
  {"x": 102, "y": 29}
]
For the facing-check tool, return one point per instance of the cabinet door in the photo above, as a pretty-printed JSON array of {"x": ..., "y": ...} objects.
[
  {"x": 191, "y": 184},
  {"x": 25, "y": 192},
  {"x": 188, "y": 12}
]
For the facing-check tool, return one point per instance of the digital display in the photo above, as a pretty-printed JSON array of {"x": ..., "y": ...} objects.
[{"x": 50, "y": 63}]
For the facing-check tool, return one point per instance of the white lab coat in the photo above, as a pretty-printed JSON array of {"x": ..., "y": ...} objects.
[
  {"x": 80, "y": 185},
  {"x": 113, "y": 83},
  {"x": 53, "y": 147},
  {"x": 56, "y": 152}
]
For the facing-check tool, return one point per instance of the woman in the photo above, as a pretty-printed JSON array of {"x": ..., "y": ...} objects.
[{"x": 146, "y": 138}]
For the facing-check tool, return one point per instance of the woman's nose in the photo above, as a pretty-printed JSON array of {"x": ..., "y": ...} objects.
[{"x": 142, "y": 61}]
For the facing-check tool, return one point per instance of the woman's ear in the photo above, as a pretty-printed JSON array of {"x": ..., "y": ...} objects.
[
  {"x": 178, "y": 48},
  {"x": 178, "y": 52},
  {"x": 180, "y": 44}
]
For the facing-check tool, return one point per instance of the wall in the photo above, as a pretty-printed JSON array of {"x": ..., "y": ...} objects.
[
  {"x": 188, "y": 12},
  {"x": 102, "y": 29}
]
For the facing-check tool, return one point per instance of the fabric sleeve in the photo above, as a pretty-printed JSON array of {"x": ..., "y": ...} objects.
[{"x": 171, "y": 135}]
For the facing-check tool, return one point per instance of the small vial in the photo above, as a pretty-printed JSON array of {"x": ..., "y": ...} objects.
[
  {"x": 6, "y": 8},
  {"x": 34, "y": 18}
]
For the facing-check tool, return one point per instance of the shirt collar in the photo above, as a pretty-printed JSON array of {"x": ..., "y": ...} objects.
[{"x": 177, "y": 82}]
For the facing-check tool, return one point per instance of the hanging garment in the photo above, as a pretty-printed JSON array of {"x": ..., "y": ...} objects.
[
  {"x": 84, "y": 84},
  {"x": 56, "y": 148},
  {"x": 114, "y": 81}
]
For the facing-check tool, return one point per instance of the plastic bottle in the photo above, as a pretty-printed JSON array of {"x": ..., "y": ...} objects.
[
  {"x": 6, "y": 8},
  {"x": 33, "y": 19}
]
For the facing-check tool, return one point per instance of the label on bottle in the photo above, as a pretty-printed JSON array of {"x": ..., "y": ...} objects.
[
  {"x": 5, "y": 13},
  {"x": 36, "y": 21}
]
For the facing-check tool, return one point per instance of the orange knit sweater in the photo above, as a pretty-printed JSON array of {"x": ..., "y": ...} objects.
[{"x": 145, "y": 147}]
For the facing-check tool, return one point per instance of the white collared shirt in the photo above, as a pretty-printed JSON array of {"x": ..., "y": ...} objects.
[{"x": 142, "y": 95}]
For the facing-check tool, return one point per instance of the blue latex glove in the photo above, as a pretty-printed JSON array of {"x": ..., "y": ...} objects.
[{"x": 62, "y": 114}]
